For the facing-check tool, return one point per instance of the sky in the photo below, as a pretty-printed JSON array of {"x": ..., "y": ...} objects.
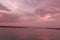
[{"x": 30, "y": 13}]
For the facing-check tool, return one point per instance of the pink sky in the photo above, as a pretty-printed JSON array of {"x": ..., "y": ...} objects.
[{"x": 32, "y": 13}]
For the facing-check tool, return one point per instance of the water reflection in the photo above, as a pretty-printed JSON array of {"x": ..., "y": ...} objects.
[
  {"x": 8, "y": 36},
  {"x": 29, "y": 34}
]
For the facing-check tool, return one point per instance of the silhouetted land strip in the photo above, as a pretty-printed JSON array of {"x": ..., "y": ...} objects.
[
  {"x": 12, "y": 27},
  {"x": 28, "y": 27},
  {"x": 53, "y": 28}
]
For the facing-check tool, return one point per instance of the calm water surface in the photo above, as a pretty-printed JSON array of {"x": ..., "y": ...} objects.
[{"x": 29, "y": 34}]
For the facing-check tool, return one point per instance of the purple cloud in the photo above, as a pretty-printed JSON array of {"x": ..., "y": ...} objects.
[{"x": 3, "y": 7}]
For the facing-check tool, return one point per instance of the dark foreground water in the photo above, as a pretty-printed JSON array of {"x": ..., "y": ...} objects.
[{"x": 29, "y": 34}]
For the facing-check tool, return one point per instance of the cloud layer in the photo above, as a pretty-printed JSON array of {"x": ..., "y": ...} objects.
[{"x": 30, "y": 12}]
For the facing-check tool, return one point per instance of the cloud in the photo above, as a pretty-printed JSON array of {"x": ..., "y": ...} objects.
[
  {"x": 5, "y": 14},
  {"x": 4, "y": 17},
  {"x": 32, "y": 15},
  {"x": 20, "y": 9},
  {"x": 47, "y": 18},
  {"x": 16, "y": 6},
  {"x": 3, "y": 7},
  {"x": 5, "y": 11}
]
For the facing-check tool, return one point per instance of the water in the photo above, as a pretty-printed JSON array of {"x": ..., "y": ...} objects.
[{"x": 29, "y": 34}]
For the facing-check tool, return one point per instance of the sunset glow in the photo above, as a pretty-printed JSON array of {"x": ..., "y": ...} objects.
[{"x": 34, "y": 13}]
